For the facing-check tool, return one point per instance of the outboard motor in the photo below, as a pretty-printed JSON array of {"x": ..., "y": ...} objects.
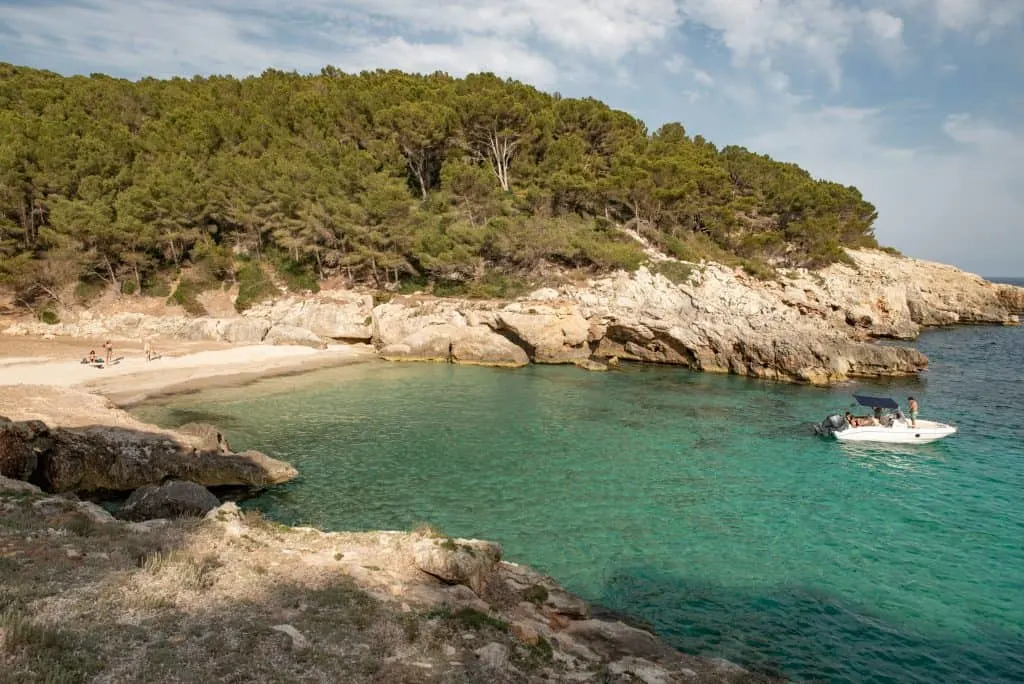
[{"x": 830, "y": 425}]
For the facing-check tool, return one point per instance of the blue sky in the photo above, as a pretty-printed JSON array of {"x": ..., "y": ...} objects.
[{"x": 918, "y": 103}]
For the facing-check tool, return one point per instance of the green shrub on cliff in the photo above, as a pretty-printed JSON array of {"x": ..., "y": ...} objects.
[
  {"x": 378, "y": 177},
  {"x": 253, "y": 286}
]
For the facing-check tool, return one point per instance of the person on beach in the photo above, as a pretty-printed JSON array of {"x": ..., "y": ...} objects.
[
  {"x": 109, "y": 351},
  {"x": 912, "y": 405},
  {"x": 147, "y": 349},
  {"x": 90, "y": 357}
]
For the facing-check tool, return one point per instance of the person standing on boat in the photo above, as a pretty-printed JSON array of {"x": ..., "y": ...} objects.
[{"x": 912, "y": 406}]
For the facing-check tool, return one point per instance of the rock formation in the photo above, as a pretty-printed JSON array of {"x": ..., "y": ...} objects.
[
  {"x": 173, "y": 499},
  {"x": 807, "y": 326},
  {"x": 107, "y": 450}
]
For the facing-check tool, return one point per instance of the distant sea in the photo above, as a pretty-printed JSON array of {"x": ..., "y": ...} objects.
[{"x": 701, "y": 504}]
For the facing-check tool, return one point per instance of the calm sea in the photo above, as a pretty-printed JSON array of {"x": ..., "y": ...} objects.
[{"x": 701, "y": 504}]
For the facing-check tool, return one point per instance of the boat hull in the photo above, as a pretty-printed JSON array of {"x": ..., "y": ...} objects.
[{"x": 899, "y": 433}]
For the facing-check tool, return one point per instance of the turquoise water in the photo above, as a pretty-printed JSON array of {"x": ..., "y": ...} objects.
[{"x": 701, "y": 504}]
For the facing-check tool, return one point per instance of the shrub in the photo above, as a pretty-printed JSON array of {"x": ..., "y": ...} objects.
[
  {"x": 186, "y": 295},
  {"x": 88, "y": 290},
  {"x": 536, "y": 593},
  {"x": 253, "y": 286},
  {"x": 758, "y": 269},
  {"x": 676, "y": 271},
  {"x": 154, "y": 285},
  {"x": 49, "y": 316},
  {"x": 128, "y": 287},
  {"x": 297, "y": 276}
]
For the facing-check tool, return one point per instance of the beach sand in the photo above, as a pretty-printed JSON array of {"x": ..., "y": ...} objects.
[{"x": 183, "y": 366}]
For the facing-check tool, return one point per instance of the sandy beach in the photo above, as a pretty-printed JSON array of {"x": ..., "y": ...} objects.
[{"x": 183, "y": 366}]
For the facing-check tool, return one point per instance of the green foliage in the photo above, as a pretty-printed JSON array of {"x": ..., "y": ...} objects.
[
  {"x": 492, "y": 285},
  {"x": 469, "y": 618},
  {"x": 253, "y": 286},
  {"x": 186, "y": 295},
  {"x": 156, "y": 285},
  {"x": 49, "y": 316},
  {"x": 536, "y": 593},
  {"x": 296, "y": 275},
  {"x": 382, "y": 178},
  {"x": 676, "y": 271},
  {"x": 88, "y": 290}
]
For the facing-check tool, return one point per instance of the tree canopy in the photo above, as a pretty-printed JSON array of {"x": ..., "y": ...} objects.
[{"x": 381, "y": 176}]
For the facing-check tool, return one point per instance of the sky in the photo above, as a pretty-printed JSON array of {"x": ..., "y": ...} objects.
[{"x": 919, "y": 103}]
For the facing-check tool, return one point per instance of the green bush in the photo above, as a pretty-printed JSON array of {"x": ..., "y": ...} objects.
[
  {"x": 759, "y": 269},
  {"x": 88, "y": 290},
  {"x": 186, "y": 295},
  {"x": 49, "y": 316},
  {"x": 493, "y": 285},
  {"x": 128, "y": 287},
  {"x": 297, "y": 277},
  {"x": 253, "y": 286},
  {"x": 676, "y": 271},
  {"x": 155, "y": 285}
]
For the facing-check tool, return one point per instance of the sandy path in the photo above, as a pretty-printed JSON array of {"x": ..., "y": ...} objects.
[{"x": 133, "y": 379}]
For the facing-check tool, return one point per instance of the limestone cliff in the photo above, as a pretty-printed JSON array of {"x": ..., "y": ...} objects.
[{"x": 806, "y": 326}]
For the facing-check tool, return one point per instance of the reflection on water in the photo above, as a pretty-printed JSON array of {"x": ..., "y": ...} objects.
[{"x": 894, "y": 457}]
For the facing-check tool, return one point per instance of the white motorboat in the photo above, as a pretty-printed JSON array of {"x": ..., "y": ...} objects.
[{"x": 887, "y": 424}]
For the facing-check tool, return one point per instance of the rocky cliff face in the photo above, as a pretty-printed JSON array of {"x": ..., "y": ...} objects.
[
  {"x": 807, "y": 327},
  {"x": 814, "y": 327}
]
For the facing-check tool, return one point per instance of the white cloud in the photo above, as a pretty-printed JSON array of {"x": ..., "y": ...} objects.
[
  {"x": 508, "y": 58},
  {"x": 675, "y": 64},
  {"x": 959, "y": 205},
  {"x": 820, "y": 29},
  {"x": 703, "y": 78},
  {"x": 884, "y": 25}
]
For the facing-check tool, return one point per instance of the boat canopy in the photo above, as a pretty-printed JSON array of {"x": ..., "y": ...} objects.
[{"x": 876, "y": 402}]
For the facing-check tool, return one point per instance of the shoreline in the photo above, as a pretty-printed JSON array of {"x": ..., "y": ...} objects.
[{"x": 133, "y": 380}]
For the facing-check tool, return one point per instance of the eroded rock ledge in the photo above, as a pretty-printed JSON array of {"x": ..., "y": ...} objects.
[
  {"x": 814, "y": 327},
  {"x": 73, "y": 441},
  {"x": 310, "y": 605}
]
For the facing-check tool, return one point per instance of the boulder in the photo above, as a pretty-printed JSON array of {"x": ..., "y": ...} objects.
[
  {"x": 644, "y": 670},
  {"x": 289, "y": 334},
  {"x": 402, "y": 317},
  {"x": 9, "y": 486},
  {"x": 17, "y": 457},
  {"x": 207, "y": 437},
  {"x": 204, "y": 329},
  {"x": 341, "y": 320},
  {"x": 459, "y": 344},
  {"x": 174, "y": 499},
  {"x": 119, "y": 459},
  {"x": 469, "y": 562},
  {"x": 550, "y": 334},
  {"x": 493, "y": 656},
  {"x": 619, "y": 640},
  {"x": 95, "y": 513},
  {"x": 248, "y": 330}
]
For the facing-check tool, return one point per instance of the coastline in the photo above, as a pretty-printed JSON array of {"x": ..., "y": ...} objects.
[
  {"x": 485, "y": 616},
  {"x": 191, "y": 367}
]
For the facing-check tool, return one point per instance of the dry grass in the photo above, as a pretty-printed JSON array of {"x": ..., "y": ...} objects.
[{"x": 82, "y": 601}]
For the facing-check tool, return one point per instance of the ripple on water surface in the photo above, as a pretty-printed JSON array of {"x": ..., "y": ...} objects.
[{"x": 699, "y": 503}]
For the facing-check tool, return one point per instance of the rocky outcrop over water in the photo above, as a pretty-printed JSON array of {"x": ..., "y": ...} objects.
[
  {"x": 814, "y": 327},
  {"x": 117, "y": 454}
]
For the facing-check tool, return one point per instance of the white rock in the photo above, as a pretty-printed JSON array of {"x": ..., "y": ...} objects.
[
  {"x": 493, "y": 655},
  {"x": 299, "y": 642}
]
